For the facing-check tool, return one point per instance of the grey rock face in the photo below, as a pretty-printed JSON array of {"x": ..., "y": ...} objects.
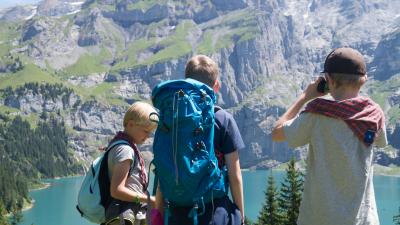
[
  {"x": 87, "y": 34},
  {"x": 96, "y": 118},
  {"x": 255, "y": 123},
  {"x": 32, "y": 28},
  {"x": 229, "y": 4},
  {"x": 58, "y": 7},
  {"x": 37, "y": 103},
  {"x": 207, "y": 13},
  {"x": 387, "y": 56},
  {"x": 18, "y": 13},
  {"x": 128, "y": 18},
  {"x": 155, "y": 73},
  {"x": 393, "y": 134}
]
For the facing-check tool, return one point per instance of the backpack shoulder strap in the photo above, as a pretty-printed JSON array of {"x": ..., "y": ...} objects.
[
  {"x": 217, "y": 108},
  {"x": 123, "y": 142},
  {"x": 116, "y": 143}
]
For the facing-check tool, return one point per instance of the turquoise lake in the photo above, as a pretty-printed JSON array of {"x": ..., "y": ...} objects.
[{"x": 56, "y": 204}]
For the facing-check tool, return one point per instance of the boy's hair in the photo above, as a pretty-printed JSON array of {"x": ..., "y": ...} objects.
[
  {"x": 203, "y": 69},
  {"x": 353, "y": 80},
  {"x": 140, "y": 113}
]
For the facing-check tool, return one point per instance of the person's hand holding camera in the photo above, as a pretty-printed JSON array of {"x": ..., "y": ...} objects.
[{"x": 315, "y": 88}]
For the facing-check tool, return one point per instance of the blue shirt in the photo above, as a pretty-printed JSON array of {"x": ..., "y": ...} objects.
[{"x": 227, "y": 138}]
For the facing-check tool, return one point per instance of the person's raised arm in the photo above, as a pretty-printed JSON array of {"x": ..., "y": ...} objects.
[{"x": 310, "y": 93}]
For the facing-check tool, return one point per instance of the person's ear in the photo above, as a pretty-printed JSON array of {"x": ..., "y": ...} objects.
[
  {"x": 217, "y": 85},
  {"x": 329, "y": 80},
  {"x": 130, "y": 124}
]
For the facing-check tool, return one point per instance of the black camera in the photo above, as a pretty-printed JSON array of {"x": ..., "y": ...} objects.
[{"x": 323, "y": 86}]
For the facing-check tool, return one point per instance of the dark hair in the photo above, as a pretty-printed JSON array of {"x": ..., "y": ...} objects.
[{"x": 203, "y": 69}]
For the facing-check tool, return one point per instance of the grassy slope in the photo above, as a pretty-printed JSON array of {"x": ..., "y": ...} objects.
[{"x": 380, "y": 91}]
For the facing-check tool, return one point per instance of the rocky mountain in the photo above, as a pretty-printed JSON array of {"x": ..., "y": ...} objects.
[{"x": 112, "y": 53}]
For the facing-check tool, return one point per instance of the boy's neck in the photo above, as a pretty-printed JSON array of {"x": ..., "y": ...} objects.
[{"x": 340, "y": 95}]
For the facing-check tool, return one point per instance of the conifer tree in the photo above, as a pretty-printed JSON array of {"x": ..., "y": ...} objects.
[
  {"x": 3, "y": 219},
  {"x": 270, "y": 214},
  {"x": 247, "y": 221},
  {"x": 16, "y": 217},
  {"x": 290, "y": 194},
  {"x": 396, "y": 219}
]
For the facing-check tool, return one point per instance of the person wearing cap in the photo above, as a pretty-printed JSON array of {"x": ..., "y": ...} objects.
[{"x": 340, "y": 132}]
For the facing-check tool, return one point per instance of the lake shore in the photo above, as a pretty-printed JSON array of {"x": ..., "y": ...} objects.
[{"x": 391, "y": 171}]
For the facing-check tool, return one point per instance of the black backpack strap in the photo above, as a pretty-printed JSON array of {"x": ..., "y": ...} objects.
[
  {"x": 104, "y": 181},
  {"x": 217, "y": 108}
]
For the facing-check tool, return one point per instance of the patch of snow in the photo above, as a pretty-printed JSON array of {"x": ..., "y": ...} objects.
[
  {"x": 73, "y": 12},
  {"x": 34, "y": 12},
  {"x": 76, "y": 3}
]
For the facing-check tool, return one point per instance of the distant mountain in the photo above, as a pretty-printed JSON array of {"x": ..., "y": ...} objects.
[{"x": 112, "y": 53}]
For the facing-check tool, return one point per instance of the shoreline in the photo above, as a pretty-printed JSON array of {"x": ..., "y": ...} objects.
[
  {"x": 45, "y": 185},
  {"x": 378, "y": 170}
]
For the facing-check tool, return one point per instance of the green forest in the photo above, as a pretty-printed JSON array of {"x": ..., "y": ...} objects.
[{"x": 29, "y": 154}]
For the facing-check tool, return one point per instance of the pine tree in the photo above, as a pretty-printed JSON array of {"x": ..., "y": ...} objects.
[
  {"x": 396, "y": 219},
  {"x": 290, "y": 194},
  {"x": 3, "y": 219},
  {"x": 247, "y": 221},
  {"x": 269, "y": 214},
  {"x": 16, "y": 217}
]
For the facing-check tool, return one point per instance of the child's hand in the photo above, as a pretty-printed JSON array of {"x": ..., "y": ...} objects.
[
  {"x": 152, "y": 202},
  {"x": 311, "y": 91}
]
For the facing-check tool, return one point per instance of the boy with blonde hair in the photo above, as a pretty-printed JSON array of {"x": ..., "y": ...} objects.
[
  {"x": 126, "y": 168},
  {"x": 338, "y": 186}
]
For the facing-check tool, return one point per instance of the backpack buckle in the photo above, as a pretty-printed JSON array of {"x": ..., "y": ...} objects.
[
  {"x": 198, "y": 131},
  {"x": 200, "y": 145},
  {"x": 181, "y": 93},
  {"x": 203, "y": 95}
]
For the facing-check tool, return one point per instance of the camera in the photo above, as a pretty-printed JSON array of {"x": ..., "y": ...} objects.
[{"x": 323, "y": 86}]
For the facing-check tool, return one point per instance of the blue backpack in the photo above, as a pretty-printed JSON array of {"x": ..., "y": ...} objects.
[
  {"x": 94, "y": 195},
  {"x": 186, "y": 165}
]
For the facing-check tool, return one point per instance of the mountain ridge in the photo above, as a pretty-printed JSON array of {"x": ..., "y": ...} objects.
[{"x": 112, "y": 54}]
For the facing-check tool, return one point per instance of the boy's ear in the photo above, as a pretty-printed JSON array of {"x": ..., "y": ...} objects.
[
  {"x": 130, "y": 123},
  {"x": 330, "y": 81},
  {"x": 217, "y": 85}
]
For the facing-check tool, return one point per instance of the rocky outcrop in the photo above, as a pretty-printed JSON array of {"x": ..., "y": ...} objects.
[
  {"x": 88, "y": 35},
  {"x": 207, "y": 13},
  {"x": 59, "y": 7},
  {"x": 18, "y": 13},
  {"x": 96, "y": 118},
  {"x": 32, "y": 28},
  {"x": 387, "y": 56},
  {"x": 35, "y": 103},
  {"x": 255, "y": 123},
  {"x": 141, "y": 80},
  {"x": 229, "y": 5},
  {"x": 393, "y": 135},
  {"x": 130, "y": 17}
]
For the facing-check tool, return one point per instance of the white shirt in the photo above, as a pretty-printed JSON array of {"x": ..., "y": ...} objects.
[{"x": 338, "y": 187}]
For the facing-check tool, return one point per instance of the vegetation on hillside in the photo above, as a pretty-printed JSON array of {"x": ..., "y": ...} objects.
[{"x": 29, "y": 154}]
